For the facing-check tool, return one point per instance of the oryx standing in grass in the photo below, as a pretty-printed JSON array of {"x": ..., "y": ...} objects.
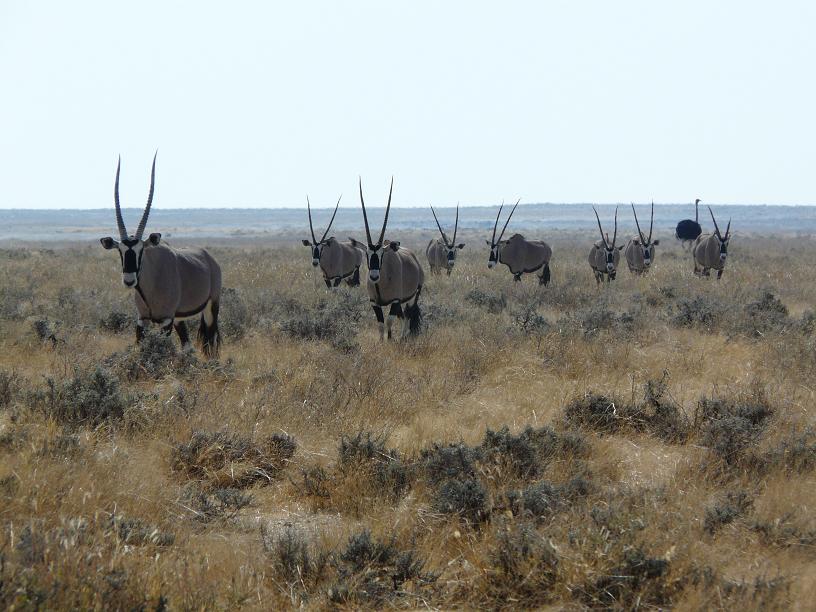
[
  {"x": 337, "y": 260},
  {"x": 171, "y": 284},
  {"x": 605, "y": 256},
  {"x": 640, "y": 251},
  {"x": 441, "y": 253},
  {"x": 522, "y": 256},
  {"x": 711, "y": 250},
  {"x": 395, "y": 277}
]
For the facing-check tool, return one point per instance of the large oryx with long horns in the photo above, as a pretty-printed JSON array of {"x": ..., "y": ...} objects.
[
  {"x": 171, "y": 284},
  {"x": 605, "y": 256},
  {"x": 640, "y": 250},
  {"x": 441, "y": 253},
  {"x": 687, "y": 230},
  {"x": 711, "y": 250},
  {"x": 337, "y": 260},
  {"x": 395, "y": 277},
  {"x": 519, "y": 254}
]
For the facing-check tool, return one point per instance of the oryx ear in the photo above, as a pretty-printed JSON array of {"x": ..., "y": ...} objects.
[
  {"x": 108, "y": 242},
  {"x": 621, "y": 247},
  {"x": 306, "y": 243},
  {"x": 154, "y": 239},
  {"x": 655, "y": 242},
  {"x": 393, "y": 245},
  {"x": 355, "y": 243},
  {"x": 635, "y": 241},
  {"x": 330, "y": 239},
  {"x": 487, "y": 242},
  {"x": 461, "y": 245}
]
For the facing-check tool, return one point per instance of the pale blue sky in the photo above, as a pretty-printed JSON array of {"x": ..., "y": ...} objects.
[{"x": 259, "y": 103}]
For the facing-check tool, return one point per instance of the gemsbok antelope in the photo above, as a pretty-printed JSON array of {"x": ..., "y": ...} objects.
[
  {"x": 441, "y": 253},
  {"x": 520, "y": 255},
  {"x": 338, "y": 261},
  {"x": 711, "y": 250},
  {"x": 604, "y": 257},
  {"x": 640, "y": 251},
  {"x": 395, "y": 278},
  {"x": 171, "y": 285},
  {"x": 687, "y": 230}
]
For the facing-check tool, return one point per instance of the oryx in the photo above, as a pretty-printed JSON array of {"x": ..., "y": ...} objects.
[
  {"x": 441, "y": 253},
  {"x": 337, "y": 260},
  {"x": 688, "y": 230},
  {"x": 604, "y": 257},
  {"x": 519, "y": 254},
  {"x": 171, "y": 284},
  {"x": 711, "y": 250},
  {"x": 395, "y": 277},
  {"x": 640, "y": 251}
]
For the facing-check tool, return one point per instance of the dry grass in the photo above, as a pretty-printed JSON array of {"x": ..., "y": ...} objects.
[{"x": 647, "y": 445}]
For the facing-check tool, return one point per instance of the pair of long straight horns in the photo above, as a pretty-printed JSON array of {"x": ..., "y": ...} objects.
[
  {"x": 311, "y": 227},
  {"x": 615, "y": 235},
  {"x": 385, "y": 221},
  {"x": 493, "y": 241},
  {"x": 455, "y": 227},
  {"x": 651, "y": 225},
  {"x": 120, "y": 222},
  {"x": 717, "y": 228}
]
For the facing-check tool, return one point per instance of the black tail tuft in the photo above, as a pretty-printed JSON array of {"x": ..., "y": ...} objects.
[
  {"x": 414, "y": 315},
  {"x": 544, "y": 279},
  {"x": 354, "y": 281},
  {"x": 209, "y": 336}
]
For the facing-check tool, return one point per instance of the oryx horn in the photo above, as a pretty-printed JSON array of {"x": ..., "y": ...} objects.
[
  {"x": 334, "y": 214},
  {"x": 651, "y": 223},
  {"x": 496, "y": 225},
  {"x": 640, "y": 233},
  {"x": 119, "y": 221},
  {"x": 606, "y": 244},
  {"x": 441, "y": 231},
  {"x": 311, "y": 227},
  {"x": 143, "y": 222},
  {"x": 387, "y": 210},
  {"x": 455, "y": 226},
  {"x": 508, "y": 219},
  {"x": 716, "y": 227}
]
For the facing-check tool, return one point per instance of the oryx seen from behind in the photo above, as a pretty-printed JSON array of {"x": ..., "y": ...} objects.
[
  {"x": 688, "y": 230},
  {"x": 640, "y": 250},
  {"x": 711, "y": 250},
  {"x": 441, "y": 252},
  {"x": 522, "y": 256},
  {"x": 337, "y": 260},
  {"x": 605, "y": 256},
  {"x": 395, "y": 278},
  {"x": 171, "y": 285}
]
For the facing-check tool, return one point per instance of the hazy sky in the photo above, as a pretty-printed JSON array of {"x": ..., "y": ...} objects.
[{"x": 260, "y": 103}]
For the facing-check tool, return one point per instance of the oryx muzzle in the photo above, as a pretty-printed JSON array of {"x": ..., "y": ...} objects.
[
  {"x": 395, "y": 277},
  {"x": 170, "y": 284}
]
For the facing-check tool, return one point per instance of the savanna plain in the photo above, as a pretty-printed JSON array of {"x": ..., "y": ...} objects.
[{"x": 649, "y": 444}]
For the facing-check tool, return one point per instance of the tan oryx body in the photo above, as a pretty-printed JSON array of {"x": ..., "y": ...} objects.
[
  {"x": 520, "y": 255},
  {"x": 337, "y": 260},
  {"x": 395, "y": 278},
  {"x": 711, "y": 250},
  {"x": 171, "y": 285},
  {"x": 604, "y": 256},
  {"x": 441, "y": 252},
  {"x": 640, "y": 250}
]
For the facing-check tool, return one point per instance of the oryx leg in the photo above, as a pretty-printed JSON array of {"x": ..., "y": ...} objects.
[
  {"x": 719, "y": 274},
  {"x": 354, "y": 281},
  {"x": 394, "y": 313},
  {"x": 380, "y": 320},
  {"x": 166, "y": 326},
  {"x": 706, "y": 271},
  {"x": 449, "y": 271},
  {"x": 181, "y": 329},
  {"x": 544, "y": 279},
  {"x": 517, "y": 277},
  {"x": 337, "y": 281},
  {"x": 328, "y": 283},
  {"x": 598, "y": 277},
  {"x": 140, "y": 325}
]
